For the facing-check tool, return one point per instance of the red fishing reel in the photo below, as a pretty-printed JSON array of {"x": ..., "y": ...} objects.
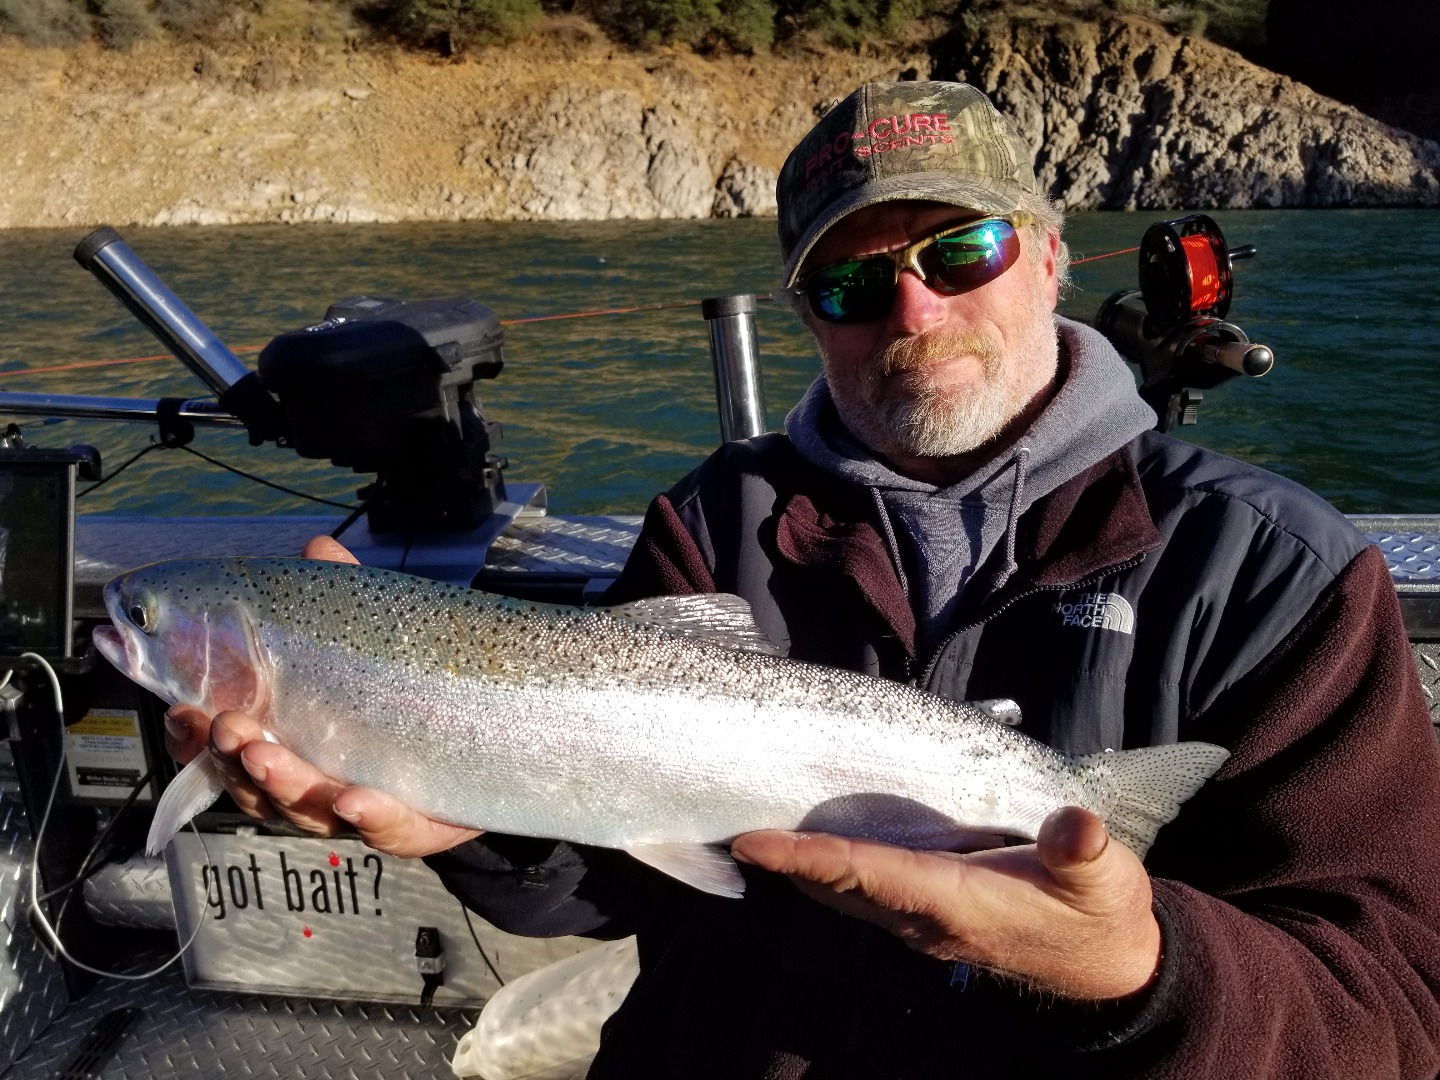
[
  {"x": 1173, "y": 327},
  {"x": 1185, "y": 270}
]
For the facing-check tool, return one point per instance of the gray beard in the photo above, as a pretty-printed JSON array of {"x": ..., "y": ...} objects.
[{"x": 930, "y": 421}]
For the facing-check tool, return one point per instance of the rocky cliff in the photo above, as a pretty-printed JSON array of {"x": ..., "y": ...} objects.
[{"x": 568, "y": 126}]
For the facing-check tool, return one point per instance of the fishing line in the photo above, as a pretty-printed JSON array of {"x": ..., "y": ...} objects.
[
  {"x": 1107, "y": 255},
  {"x": 78, "y": 364},
  {"x": 37, "y": 913},
  {"x": 763, "y": 298},
  {"x": 356, "y": 510},
  {"x": 344, "y": 526}
]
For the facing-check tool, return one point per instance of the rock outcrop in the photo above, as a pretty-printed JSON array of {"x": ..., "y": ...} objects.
[
  {"x": 1127, "y": 116},
  {"x": 1122, "y": 114},
  {"x": 587, "y": 156}
]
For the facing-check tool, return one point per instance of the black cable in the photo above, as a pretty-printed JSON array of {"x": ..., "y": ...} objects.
[
  {"x": 268, "y": 483},
  {"x": 117, "y": 472},
  {"x": 475, "y": 938},
  {"x": 86, "y": 871},
  {"x": 354, "y": 517}
]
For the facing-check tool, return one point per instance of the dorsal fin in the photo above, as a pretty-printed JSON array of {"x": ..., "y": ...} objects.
[{"x": 721, "y": 618}]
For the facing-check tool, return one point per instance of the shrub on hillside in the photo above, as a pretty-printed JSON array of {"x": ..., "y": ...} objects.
[
  {"x": 45, "y": 22},
  {"x": 455, "y": 23},
  {"x": 122, "y": 24},
  {"x": 849, "y": 22},
  {"x": 191, "y": 18},
  {"x": 741, "y": 24},
  {"x": 1237, "y": 23}
]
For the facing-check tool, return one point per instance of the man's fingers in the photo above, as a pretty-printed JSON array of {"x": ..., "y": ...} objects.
[
  {"x": 328, "y": 549},
  {"x": 229, "y": 733},
  {"x": 301, "y": 793},
  {"x": 389, "y": 825},
  {"x": 187, "y": 732}
]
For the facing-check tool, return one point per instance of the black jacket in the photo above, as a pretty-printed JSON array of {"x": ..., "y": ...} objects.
[{"x": 1166, "y": 593}]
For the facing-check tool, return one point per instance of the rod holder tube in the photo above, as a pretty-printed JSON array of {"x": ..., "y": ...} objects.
[
  {"x": 106, "y": 255},
  {"x": 739, "y": 394},
  {"x": 138, "y": 410}
]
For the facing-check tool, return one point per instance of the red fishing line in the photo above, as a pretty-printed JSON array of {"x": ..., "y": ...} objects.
[{"x": 1204, "y": 273}]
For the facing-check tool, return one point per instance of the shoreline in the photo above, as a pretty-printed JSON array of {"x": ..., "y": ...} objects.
[{"x": 567, "y": 126}]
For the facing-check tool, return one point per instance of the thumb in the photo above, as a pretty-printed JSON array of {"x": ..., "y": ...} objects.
[
  {"x": 324, "y": 548},
  {"x": 1070, "y": 844}
]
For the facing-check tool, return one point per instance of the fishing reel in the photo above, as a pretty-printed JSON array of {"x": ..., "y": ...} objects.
[{"x": 1173, "y": 327}]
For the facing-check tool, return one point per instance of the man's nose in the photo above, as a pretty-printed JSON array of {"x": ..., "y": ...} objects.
[{"x": 916, "y": 308}]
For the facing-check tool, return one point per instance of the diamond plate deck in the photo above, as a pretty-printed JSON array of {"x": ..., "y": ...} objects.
[
  {"x": 1427, "y": 662},
  {"x": 1411, "y": 544},
  {"x": 185, "y": 1034},
  {"x": 133, "y": 893},
  {"x": 32, "y": 990}
]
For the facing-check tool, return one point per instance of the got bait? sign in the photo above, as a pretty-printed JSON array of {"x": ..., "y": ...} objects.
[
  {"x": 332, "y": 889},
  {"x": 330, "y": 918}
]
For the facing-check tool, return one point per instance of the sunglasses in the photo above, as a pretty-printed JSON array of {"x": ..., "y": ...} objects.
[{"x": 950, "y": 262}]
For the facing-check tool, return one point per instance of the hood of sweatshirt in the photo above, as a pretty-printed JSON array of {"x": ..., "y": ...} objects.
[{"x": 939, "y": 535}]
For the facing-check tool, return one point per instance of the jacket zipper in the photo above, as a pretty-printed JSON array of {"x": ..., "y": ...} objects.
[{"x": 1064, "y": 586}]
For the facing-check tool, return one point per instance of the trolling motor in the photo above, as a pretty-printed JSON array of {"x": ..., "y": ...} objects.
[
  {"x": 1173, "y": 325},
  {"x": 379, "y": 386}
]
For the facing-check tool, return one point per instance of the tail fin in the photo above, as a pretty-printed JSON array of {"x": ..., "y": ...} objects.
[
  {"x": 1151, "y": 783},
  {"x": 197, "y": 786}
]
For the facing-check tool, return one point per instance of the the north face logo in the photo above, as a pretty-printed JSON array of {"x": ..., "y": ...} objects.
[{"x": 1097, "y": 610}]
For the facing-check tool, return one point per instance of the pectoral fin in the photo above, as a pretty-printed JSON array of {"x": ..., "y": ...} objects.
[
  {"x": 707, "y": 868},
  {"x": 194, "y": 790}
]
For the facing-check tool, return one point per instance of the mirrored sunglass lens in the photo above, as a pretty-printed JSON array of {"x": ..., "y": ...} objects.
[
  {"x": 969, "y": 259},
  {"x": 852, "y": 292}
]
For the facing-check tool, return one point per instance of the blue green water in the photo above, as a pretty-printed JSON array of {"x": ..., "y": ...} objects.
[{"x": 609, "y": 409}]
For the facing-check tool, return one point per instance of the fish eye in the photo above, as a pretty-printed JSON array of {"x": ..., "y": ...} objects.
[{"x": 142, "y": 614}]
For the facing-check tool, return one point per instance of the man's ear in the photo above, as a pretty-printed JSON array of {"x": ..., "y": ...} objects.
[{"x": 1050, "y": 278}]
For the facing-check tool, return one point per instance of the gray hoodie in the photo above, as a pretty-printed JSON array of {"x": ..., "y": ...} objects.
[{"x": 939, "y": 536}]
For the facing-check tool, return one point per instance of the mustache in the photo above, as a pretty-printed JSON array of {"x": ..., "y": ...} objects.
[{"x": 913, "y": 354}]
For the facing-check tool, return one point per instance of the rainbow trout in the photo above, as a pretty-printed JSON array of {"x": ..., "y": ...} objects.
[{"x": 665, "y": 727}]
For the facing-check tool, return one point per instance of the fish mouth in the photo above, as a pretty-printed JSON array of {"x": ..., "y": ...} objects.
[
  {"x": 121, "y": 645},
  {"x": 116, "y": 644}
]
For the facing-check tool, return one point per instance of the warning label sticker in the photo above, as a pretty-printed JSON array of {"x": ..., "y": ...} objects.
[{"x": 106, "y": 755}]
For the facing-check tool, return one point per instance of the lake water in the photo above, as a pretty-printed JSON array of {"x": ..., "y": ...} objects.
[{"x": 610, "y": 409}]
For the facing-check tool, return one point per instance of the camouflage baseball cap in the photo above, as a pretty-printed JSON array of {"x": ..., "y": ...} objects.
[{"x": 934, "y": 141}]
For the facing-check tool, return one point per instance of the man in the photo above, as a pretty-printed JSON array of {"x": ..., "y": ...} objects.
[{"x": 971, "y": 499}]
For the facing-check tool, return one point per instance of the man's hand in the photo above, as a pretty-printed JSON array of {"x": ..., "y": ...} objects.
[
  {"x": 1070, "y": 913},
  {"x": 267, "y": 781}
]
